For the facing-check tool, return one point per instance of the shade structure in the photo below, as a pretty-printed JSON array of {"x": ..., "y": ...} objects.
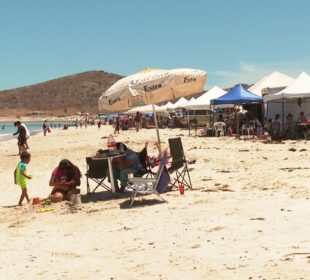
[
  {"x": 180, "y": 103},
  {"x": 203, "y": 101},
  {"x": 293, "y": 99},
  {"x": 146, "y": 109},
  {"x": 274, "y": 80},
  {"x": 300, "y": 88},
  {"x": 151, "y": 86},
  {"x": 168, "y": 106},
  {"x": 238, "y": 95}
]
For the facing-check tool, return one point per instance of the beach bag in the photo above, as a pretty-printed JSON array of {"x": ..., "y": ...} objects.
[{"x": 48, "y": 129}]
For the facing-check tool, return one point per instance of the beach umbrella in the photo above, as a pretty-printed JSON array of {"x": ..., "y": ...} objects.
[{"x": 151, "y": 86}]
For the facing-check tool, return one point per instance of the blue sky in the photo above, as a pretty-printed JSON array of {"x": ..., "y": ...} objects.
[{"x": 234, "y": 41}]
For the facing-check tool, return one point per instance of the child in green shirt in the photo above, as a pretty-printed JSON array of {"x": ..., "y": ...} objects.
[{"x": 20, "y": 176}]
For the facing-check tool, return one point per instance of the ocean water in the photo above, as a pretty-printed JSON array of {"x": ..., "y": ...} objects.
[{"x": 7, "y": 128}]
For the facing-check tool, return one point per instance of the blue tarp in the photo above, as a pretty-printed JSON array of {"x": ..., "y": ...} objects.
[{"x": 238, "y": 95}]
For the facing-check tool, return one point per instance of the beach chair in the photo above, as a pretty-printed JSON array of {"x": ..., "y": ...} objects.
[
  {"x": 97, "y": 171},
  {"x": 179, "y": 164},
  {"x": 145, "y": 186}
]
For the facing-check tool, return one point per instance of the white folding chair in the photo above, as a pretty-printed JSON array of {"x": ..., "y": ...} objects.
[{"x": 144, "y": 186}]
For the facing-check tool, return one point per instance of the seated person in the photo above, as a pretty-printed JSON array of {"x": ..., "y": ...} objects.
[
  {"x": 229, "y": 132},
  {"x": 301, "y": 129},
  {"x": 289, "y": 127},
  {"x": 124, "y": 165},
  {"x": 64, "y": 180},
  {"x": 276, "y": 128},
  {"x": 301, "y": 118}
]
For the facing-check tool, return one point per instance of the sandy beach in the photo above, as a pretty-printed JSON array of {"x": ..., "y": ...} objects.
[{"x": 247, "y": 217}]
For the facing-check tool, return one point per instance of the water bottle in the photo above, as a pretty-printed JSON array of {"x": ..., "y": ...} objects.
[{"x": 111, "y": 144}]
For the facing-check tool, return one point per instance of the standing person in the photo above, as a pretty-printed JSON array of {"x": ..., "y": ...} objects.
[
  {"x": 99, "y": 124},
  {"x": 27, "y": 133},
  {"x": 116, "y": 125},
  {"x": 20, "y": 176},
  {"x": 86, "y": 122},
  {"x": 21, "y": 139},
  {"x": 45, "y": 125},
  {"x": 137, "y": 121}
]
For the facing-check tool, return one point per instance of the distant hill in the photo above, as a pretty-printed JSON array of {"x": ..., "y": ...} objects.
[{"x": 66, "y": 95}]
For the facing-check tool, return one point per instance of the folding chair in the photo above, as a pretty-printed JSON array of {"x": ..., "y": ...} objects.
[
  {"x": 179, "y": 164},
  {"x": 155, "y": 185},
  {"x": 97, "y": 171}
]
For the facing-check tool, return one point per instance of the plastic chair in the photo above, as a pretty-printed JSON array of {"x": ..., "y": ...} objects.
[
  {"x": 219, "y": 128},
  {"x": 147, "y": 186},
  {"x": 97, "y": 171}
]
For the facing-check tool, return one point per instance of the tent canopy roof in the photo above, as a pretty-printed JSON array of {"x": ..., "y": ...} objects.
[
  {"x": 238, "y": 95},
  {"x": 298, "y": 89},
  {"x": 203, "y": 101},
  {"x": 182, "y": 101},
  {"x": 145, "y": 109},
  {"x": 274, "y": 80}
]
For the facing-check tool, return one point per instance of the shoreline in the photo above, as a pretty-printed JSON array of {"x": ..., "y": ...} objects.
[
  {"x": 9, "y": 137},
  {"x": 41, "y": 118}
]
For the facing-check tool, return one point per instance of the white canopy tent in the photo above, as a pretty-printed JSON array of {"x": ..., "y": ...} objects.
[
  {"x": 274, "y": 80},
  {"x": 168, "y": 106},
  {"x": 293, "y": 99},
  {"x": 180, "y": 103},
  {"x": 203, "y": 102},
  {"x": 145, "y": 109}
]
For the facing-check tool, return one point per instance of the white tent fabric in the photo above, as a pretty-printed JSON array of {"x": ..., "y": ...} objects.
[
  {"x": 180, "y": 103},
  {"x": 274, "y": 80},
  {"x": 151, "y": 86},
  {"x": 203, "y": 102},
  {"x": 188, "y": 104},
  {"x": 167, "y": 106},
  {"x": 298, "y": 89},
  {"x": 286, "y": 101},
  {"x": 145, "y": 109}
]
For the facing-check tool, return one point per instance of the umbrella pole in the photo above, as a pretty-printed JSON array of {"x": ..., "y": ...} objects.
[
  {"x": 189, "y": 125},
  {"x": 157, "y": 130}
]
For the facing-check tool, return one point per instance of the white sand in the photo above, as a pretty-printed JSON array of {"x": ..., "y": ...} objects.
[{"x": 247, "y": 217}]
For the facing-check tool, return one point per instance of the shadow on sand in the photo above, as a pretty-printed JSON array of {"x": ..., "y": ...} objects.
[
  {"x": 138, "y": 203},
  {"x": 106, "y": 196},
  {"x": 103, "y": 196}
]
